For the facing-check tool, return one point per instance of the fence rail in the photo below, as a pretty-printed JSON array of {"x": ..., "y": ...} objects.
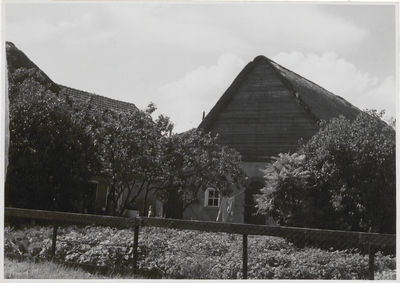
[
  {"x": 372, "y": 241},
  {"x": 66, "y": 217},
  {"x": 381, "y": 240}
]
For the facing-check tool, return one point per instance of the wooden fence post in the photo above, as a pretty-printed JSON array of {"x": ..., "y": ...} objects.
[
  {"x": 53, "y": 245},
  {"x": 244, "y": 256},
  {"x": 135, "y": 246},
  {"x": 371, "y": 261}
]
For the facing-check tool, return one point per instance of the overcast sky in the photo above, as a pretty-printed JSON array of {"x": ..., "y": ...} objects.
[{"x": 183, "y": 56}]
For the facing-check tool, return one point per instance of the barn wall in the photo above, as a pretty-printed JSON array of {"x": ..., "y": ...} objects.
[{"x": 263, "y": 118}]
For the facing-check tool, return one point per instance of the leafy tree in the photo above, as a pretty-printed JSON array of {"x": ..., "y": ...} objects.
[
  {"x": 50, "y": 158},
  {"x": 194, "y": 161},
  {"x": 57, "y": 145},
  {"x": 140, "y": 155},
  {"x": 346, "y": 180},
  {"x": 130, "y": 149},
  {"x": 285, "y": 185}
]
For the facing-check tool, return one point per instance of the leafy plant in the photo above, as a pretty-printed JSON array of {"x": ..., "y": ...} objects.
[
  {"x": 343, "y": 178},
  {"x": 171, "y": 253},
  {"x": 51, "y": 150},
  {"x": 193, "y": 161}
]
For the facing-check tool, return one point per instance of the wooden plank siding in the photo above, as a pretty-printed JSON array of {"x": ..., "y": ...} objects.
[
  {"x": 263, "y": 118},
  {"x": 268, "y": 109}
]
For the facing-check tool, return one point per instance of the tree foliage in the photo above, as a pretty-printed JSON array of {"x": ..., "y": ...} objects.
[
  {"x": 140, "y": 155},
  {"x": 50, "y": 157},
  {"x": 343, "y": 178},
  {"x": 130, "y": 148},
  {"x": 285, "y": 183},
  {"x": 57, "y": 145},
  {"x": 193, "y": 161}
]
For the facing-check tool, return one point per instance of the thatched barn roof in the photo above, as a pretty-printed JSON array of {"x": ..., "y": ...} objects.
[
  {"x": 268, "y": 109},
  {"x": 320, "y": 102}
]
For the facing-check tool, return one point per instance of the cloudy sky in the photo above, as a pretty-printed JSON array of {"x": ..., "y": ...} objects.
[{"x": 183, "y": 56}]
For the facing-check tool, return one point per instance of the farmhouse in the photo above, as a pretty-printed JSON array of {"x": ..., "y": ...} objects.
[{"x": 265, "y": 111}]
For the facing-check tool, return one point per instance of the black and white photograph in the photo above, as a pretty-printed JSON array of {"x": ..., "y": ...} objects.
[{"x": 155, "y": 140}]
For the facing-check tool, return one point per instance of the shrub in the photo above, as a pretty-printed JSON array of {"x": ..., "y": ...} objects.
[{"x": 170, "y": 253}]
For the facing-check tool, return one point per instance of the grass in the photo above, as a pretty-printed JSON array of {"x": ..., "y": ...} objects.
[{"x": 28, "y": 269}]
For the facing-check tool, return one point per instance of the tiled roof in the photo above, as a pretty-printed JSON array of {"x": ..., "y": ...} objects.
[
  {"x": 17, "y": 59},
  {"x": 100, "y": 102}
]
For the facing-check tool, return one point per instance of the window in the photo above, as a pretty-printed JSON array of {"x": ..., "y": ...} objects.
[{"x": 211, "y": 198}]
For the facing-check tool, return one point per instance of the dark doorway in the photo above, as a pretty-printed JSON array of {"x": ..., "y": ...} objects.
[
  {"x": 250, "y": 210},
  {"x": 173, "y": 207}
]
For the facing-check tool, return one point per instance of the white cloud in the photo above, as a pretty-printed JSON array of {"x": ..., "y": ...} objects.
[
  {"x": 31, "y": 30},
  {"x": 83, "y": 29},
  {"x": 307, "y": 26},
  {"x": 259, "y": 27},
  {"x": 177, "y": 25},
  {"x": 185, "y": 100},
  {"x": 66, "y": 24},
  {"x": 343, "y": 78},
  {"x": 382, "y": 97}
]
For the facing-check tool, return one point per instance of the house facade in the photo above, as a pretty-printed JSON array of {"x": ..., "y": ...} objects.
[{"x": 267, "y": 110}]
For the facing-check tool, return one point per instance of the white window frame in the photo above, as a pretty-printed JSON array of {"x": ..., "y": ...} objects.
[{"x": 207, "y": 198}]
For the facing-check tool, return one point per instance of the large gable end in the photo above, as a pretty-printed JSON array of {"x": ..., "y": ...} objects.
[{"x": 268, "y": 109}]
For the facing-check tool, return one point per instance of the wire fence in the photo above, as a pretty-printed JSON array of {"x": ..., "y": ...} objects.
[{"x": 159, "y": 247}]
